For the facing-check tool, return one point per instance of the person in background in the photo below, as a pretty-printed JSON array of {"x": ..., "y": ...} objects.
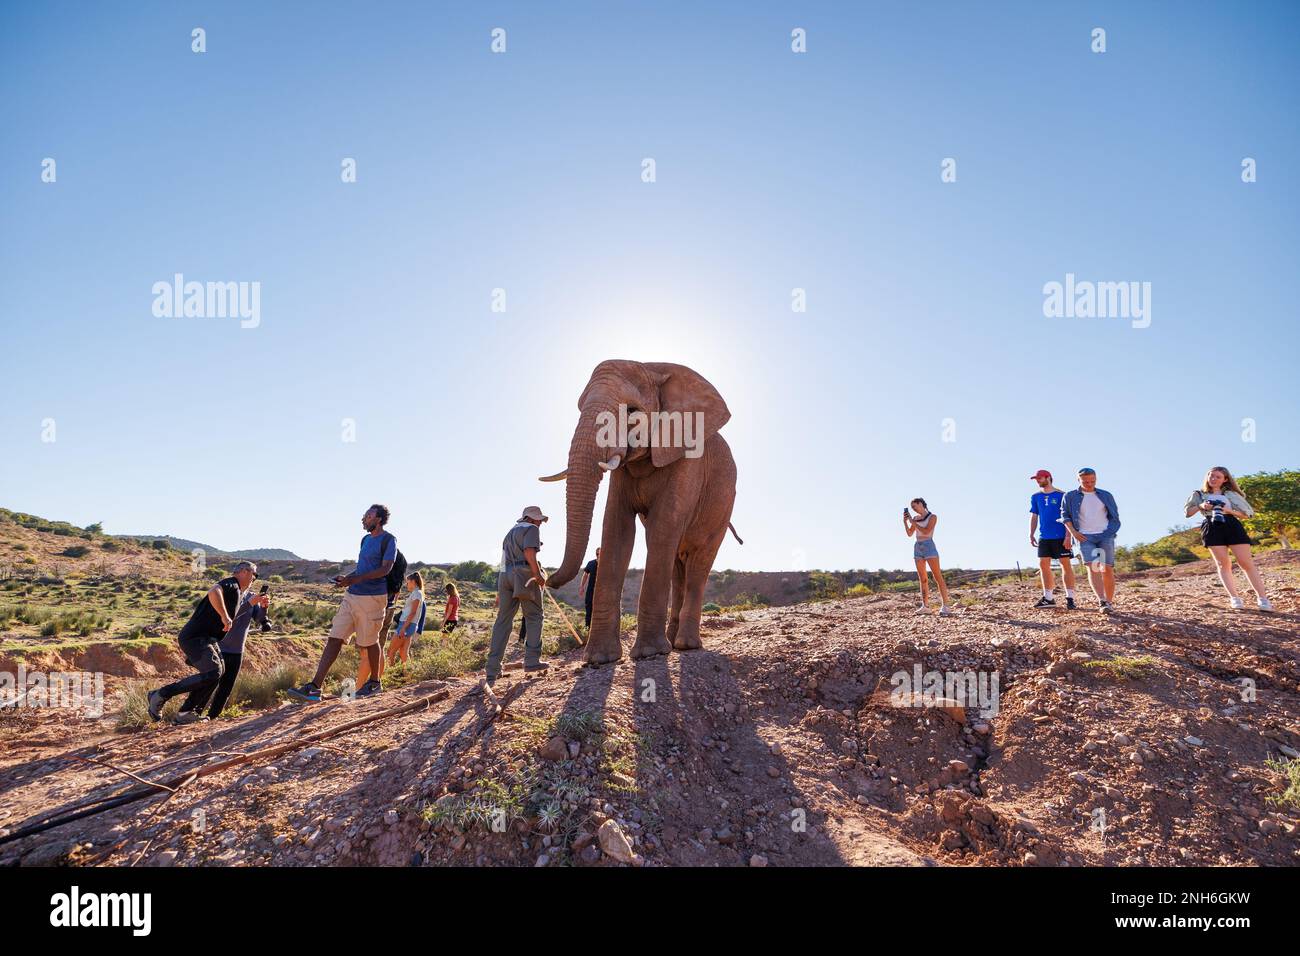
[
  {"x": 587, "y": 586},
  {"x": 926, "y": 554},
  {"x": 362, "y": 612},
  {"x": 1048, "y": 535},
  {"x": 251, "y": 608},
  {"x": 213, "y": 616},
  {"x": 451, "y": 615},
  {"x": 1220, "y": 502},
  {"x": 400, "y": 646},
  {"x": 1091, "y": 517}
]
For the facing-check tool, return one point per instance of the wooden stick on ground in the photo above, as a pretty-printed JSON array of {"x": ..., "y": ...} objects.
[{"x": 266, "y": 752}]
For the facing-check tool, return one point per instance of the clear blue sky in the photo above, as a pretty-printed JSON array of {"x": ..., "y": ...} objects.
[{"x": 522, "y": 171}]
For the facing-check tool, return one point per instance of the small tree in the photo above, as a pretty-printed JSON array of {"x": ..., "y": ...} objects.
[{"x": 1275, "y": 496}]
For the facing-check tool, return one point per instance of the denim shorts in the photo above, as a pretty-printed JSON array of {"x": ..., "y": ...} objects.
[
  {"x": 407, "y": 629},
  {"x": 925, "y": 549},
  {"x": 1102, "y": 551}
]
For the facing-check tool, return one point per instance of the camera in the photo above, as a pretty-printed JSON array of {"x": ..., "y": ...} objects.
[
  {"x": 266, "y": 621},
  {"x": 1217, "y": 514}
]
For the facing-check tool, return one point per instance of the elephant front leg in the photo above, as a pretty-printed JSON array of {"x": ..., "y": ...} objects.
[
  {"x": 652, "y": 609},
  {"x": 618, "y": 533}
]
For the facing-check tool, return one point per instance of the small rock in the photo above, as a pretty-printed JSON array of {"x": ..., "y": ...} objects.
[
  {"x": 758, "y": 860},
  {"x": 554, "y": 749},
  {"x": 390, "y": 817},
  {"x": 166, "y": 858},
  {"x": 613, "y": 842}
]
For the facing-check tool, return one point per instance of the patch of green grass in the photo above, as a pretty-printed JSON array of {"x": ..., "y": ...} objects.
[
  {"x": 1290, "y": 771},
  {"x": 1122, "y": 668},
  {"x": 254, "y": 691},
  {"x": 134, "y": 713}
]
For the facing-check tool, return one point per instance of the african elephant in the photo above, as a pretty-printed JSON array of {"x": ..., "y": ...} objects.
[{"x": 682, "y": 494}]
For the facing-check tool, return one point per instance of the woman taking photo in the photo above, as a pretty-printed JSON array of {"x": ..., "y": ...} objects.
[
  {"x": 926, "y": 554},
  {"x": 1220, "y": 502}
]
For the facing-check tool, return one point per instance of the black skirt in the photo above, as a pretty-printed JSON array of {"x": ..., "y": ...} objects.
[{"x": 1223, "y": 533}]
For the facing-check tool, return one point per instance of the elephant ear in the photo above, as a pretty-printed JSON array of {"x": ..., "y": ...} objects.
[{"x": 686, "y": 391}]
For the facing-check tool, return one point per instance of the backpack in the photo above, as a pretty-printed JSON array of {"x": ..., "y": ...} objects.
[{"x": 397, "y": 574}]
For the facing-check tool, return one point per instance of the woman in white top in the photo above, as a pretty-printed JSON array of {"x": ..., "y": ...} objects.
[
  {"x": 926, "y": 554},
  {"x": 1220, "y": 502},
  {"x": 409, "y": 620}
]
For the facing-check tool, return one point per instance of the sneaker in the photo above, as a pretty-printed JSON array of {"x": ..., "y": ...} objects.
[
  {"x": 190, "y": 717},
  {"x": 923, "y": 609},
  {"x": 1069, "y": 604},
  {"x": 370, "y": 688},
  {"x": 1237, "y": 604},
  {"x": 1046, "y": 602},
  {"x": 1105, "y": 608},
  {"x": 536, "y": 668},
  {"x": 945, "y": 611},
  {"x": 308, "y": 693},
  {"x": 1265, "y": 606},
  {"x": 156, "y": 702}
]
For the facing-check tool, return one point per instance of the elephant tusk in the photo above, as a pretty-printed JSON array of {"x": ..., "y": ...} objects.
[
  {"x": 611, "y": 464},
  {"x": 558, "y": 476}
]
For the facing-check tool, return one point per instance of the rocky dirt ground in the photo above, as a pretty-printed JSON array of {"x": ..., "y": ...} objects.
[{"x": 1122, "y": 740}]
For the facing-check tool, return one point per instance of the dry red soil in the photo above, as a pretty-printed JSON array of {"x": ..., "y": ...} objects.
[{"x": 776, "y": 744}]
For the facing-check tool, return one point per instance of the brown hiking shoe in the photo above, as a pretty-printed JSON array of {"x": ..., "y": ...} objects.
[{"x": 536, "y": 668}]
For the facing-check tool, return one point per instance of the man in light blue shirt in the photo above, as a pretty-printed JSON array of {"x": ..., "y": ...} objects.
[{"x": 1092, "y": 518}]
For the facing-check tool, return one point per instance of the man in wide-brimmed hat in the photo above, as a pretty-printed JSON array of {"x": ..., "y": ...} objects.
[{"x": 519, "y": 587}]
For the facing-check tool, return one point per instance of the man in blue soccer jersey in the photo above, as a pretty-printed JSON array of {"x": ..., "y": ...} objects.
[{"x": 1050, "y": 537}]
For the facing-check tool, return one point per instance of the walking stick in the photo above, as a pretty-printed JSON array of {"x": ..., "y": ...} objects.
[{"x": 572, "y": 630}]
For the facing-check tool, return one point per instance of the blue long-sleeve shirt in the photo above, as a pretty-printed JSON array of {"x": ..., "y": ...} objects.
[{"x": 233, "y": 640}]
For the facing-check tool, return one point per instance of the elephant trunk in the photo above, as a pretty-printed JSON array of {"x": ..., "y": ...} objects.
[{"x": 583, "y": 479}]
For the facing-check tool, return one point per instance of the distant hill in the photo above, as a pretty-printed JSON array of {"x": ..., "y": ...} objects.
[{"x": 244, "y": 554}]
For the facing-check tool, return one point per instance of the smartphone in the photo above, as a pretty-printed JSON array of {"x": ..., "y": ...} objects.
[
  {"x": 265, "y": 588},
  {"x": 906, "y": 512}
]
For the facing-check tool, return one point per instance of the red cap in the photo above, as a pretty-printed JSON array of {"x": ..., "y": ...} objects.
[{"x": 1041, "y": 473}]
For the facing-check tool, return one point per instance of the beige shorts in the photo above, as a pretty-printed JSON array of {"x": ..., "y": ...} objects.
[{"x": 361, "y": 615}]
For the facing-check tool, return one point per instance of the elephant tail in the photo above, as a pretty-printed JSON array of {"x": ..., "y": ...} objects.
[{"x": 733, "y": 532}]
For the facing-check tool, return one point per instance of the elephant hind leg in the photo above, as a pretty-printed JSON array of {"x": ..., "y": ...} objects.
[
  {"x": 698, "y": 565},
  {"x": 679, "y": 585}
]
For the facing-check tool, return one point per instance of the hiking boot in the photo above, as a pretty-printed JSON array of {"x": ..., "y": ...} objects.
[
  {"x": 1069, "y": 604},
  {"x": 308, "y": 693},
  {"x": 1105, "y": 608},
  {"x": 536, "y": 668},
  {"x": 1237, "y": 604},
  {"x": 190, "y": 717},
  {"x": 1046, "y": 602},
  {"x": 370, "y": 688},
  {"x": 1265, "y": 606},
  {"x": 156, "y": 701},
  {"x": 945, "y": 611}
]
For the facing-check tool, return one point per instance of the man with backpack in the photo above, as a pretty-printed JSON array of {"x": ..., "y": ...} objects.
[
  {"x": 519, "y": 588},
  {"x": 361, "y": 614},
  {"x": 393, "y": 586}
]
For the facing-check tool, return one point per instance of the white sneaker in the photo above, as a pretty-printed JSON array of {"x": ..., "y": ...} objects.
[
  {"x": 1237, "y": 604},
  {"x": 1264, "y": 605},
  {"x": 923, "y": 609},
  {"x": 945, "y": 611}
]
